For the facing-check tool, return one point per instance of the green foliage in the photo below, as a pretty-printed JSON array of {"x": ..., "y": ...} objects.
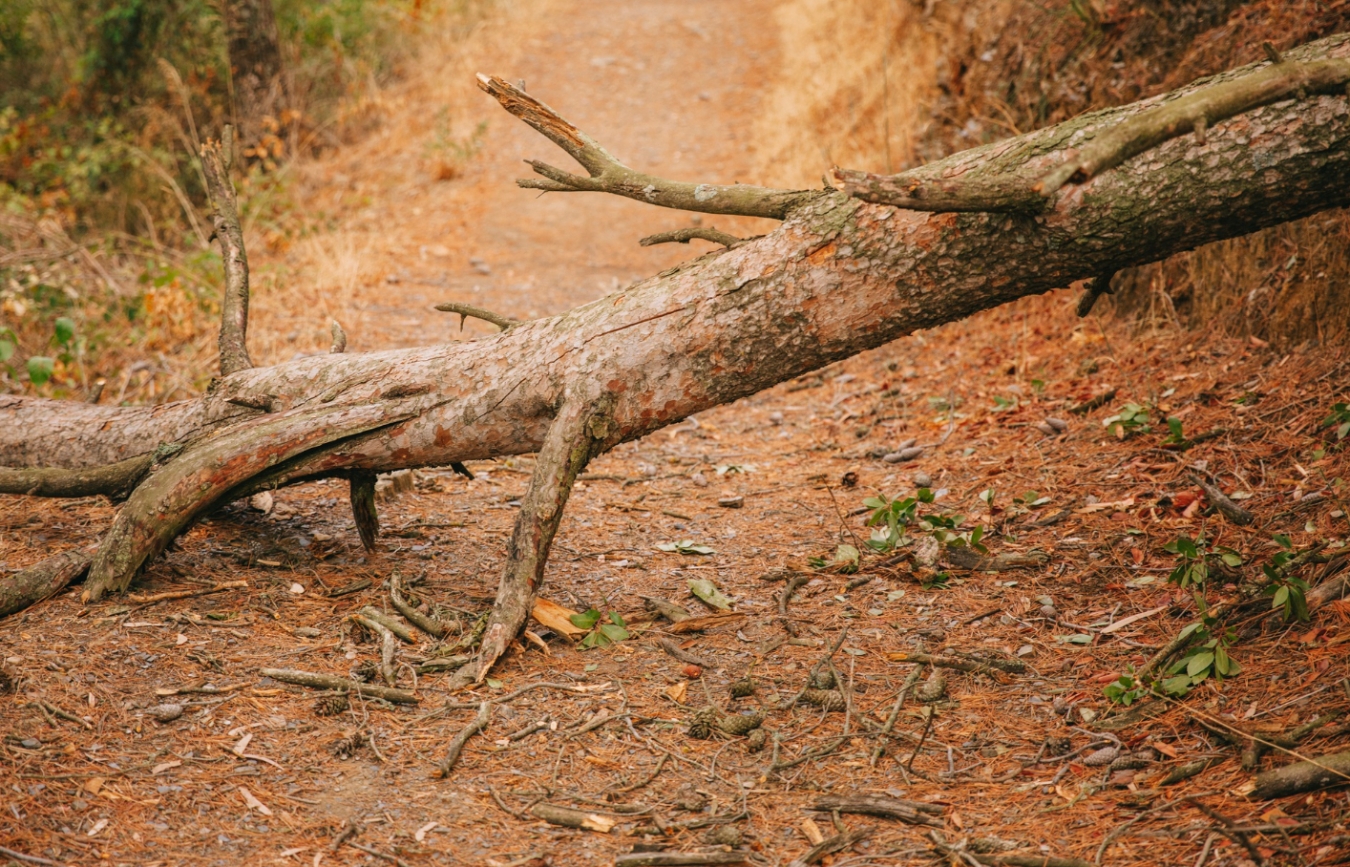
[
  {"x": 1287, "y": 592},
  {"x": 601, "y": 634},
  {"x": 846, "y": 560},
  {"x": 1130, "y": 419},
  {"x": 1126, "y": 690},
  {"x": 1194, "y": 560},
  {"x": 1339, "y": 419},
  {"x": 1208, "y": 659},
  {"x": 1175, "y": 436},
  {"x": 894, "y": 520}
]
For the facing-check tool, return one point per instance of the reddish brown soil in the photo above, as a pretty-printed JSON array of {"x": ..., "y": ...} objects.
[{"x": 124, "y": 788}]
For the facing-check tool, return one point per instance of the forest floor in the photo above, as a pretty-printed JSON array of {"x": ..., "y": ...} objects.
[{"x": 250, "y": 773}]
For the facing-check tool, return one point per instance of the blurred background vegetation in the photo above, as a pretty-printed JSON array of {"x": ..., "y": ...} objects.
[{"x": 103, "y": 105}]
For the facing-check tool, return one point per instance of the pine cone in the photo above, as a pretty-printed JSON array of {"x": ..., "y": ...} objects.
[
  {"x": 739, "y": 724},
  {"x": 826, "y": 699},
  {"x": 6, "y": 682},
  {"x": 934, "y": 688},
  {"x": 1057, "y": 746},
  {"x": 1103, "y": 756},
  {"x": 688, "y": 798},
  {"x": 346, "y": 747},
  {"x": 1130, "y": 762},
  {"x": 331, "y": 705},
  {"x": 723, "y": 835},
  {"x": 743, "y": 688},
  {"x": 701, "y": 727},
  {"x": 756, "y": 740},
  {"x": 366, "y": 672},
  {"x": 822, "y": 679}
]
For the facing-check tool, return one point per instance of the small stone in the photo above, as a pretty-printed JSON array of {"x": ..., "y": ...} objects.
[
  {"x": 308, "y": 632},
  {"x": 775, "y": 418},
  {"x": 1048, "y": 611},
  {"x": 262, "y": 502},
  {"x": 699, "y": 480},
  {"x": 1046, "y": 428},
  {"x": 166, "y": 712},
  {"x": 1058, "y": 424},
  {"x": 30, "y": 743},
  {"x": 922, "y": 480},
  {"x": 731, "y": 502}
]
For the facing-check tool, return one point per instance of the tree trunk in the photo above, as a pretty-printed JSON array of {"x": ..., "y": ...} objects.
[
  {"x": 257, "y": 74},
  {"x": 839, "y": 277}
]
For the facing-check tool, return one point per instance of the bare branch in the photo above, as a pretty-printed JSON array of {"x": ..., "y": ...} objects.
[
  {"x": 684, "y": 236},
  {"x": 467, "y": 310},
  {"x": 608, "y": 175},
  {"x": 914, "y": 192},
  {"x": 1100, "y": 286},
  {"x": 1197, "y": 111},
  {"x": 216, "y": 159},
  {"x": 113, "y": 480}
]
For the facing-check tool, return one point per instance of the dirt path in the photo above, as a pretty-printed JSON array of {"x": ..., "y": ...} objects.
[
  {"x": 251, "y": 772},
  {"x": 671, "y": 87}
]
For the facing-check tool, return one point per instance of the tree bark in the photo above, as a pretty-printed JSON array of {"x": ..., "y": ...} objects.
[{"x": 838, "y": 277}]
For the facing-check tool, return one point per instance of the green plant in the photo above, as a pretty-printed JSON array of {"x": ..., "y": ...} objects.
[
  {"x": 1286, "y": 591},
  {"x": 846, "y": 560},
  {"x": 1194, "y": 559},
  {"x": 601, "y": 634},
  {"x": 1003, "y": 404},
  {"x": 1175, "y": 436},
  {"x": 1339, "y": 419},
  {"x": 1208, "y": 659},
  {"x": 1126, "y": 690},
  {"x": 1130, "y": 419},
  {"x": 892, "y": 518}
]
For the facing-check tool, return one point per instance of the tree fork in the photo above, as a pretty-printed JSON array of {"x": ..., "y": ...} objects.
[{"x": 581, "y": 430}]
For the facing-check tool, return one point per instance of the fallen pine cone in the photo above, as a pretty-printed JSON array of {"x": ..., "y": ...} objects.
[
  {"x": 739, "y": 724},
  {"x": 166, "y": 712},
  {"x": 691, "y": 799},
  {"x": 1057, "y": 746},
  {"x": 701, "y": 727},
  {"x": 1103, "y": 756},
  {"x": 366, "y": 672},
  {"x": 743, "y": 688},
  {"x": 934, "y": 688},
  {"x": 346, "y": 747},
  {"x": 825, "y": 699},
  {"x": 1130, "y": 762},
  {"x": 331, "y": 705},
  {"x": 756, "y": 740},
  {"x": 823, "y": 679},
  {"x": 723, "y": 835},
  {"x": 6, "y": 682}
]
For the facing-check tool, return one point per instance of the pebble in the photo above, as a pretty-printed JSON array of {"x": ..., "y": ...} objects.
[
  {"x": 922, "y": 480},
  {"x": 1058, "y": 424},
  {"x": 308, "y": 632},
  {"x": 699, "y": 480}
]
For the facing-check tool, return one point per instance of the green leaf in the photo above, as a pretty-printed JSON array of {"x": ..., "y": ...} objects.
[
  {"x": 1178, "y": 686},
  {"x": 592, "y": 666},
  {"x": 493, "y": 683},
  {"x": 1199, "y": 663},
  {"x": 1232, "y": 559},
  {"x": 925, "y": 495},
  {"x": 64, "y": 330},
  {"x": 40, "y": 369},
  {"x": 874, "y": 503},
  {"x": 708, "y": 592},
  {"x": 1283, "y": 541},
  {"x": 1186, "y": 632},
  {"x": 616, "y": 619},
  {"x": 614, "y": 633},
  {"x": 586, "y": 619},
  {"x": 1280, "y": 598},
  {"x": 8, "y": 344}
]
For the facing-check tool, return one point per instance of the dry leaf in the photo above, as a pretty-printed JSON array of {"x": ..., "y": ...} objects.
[
  {"x": 556, "y": 617},
  {"x": 812, "y": 832},
  {"x": 93, "y": 784},
  {"x": 238, "y": 749},
  {"x": 537, "y": 642},
  {"x": 677, "y": 692},
  {"x": 164, "y": 766},
  {"x": 98, "y": 826},
  {"x": 421, "y": 833}
]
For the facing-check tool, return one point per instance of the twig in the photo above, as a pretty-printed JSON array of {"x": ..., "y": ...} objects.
[
  {"x": 328, "y": 681},
  {"x": 378, "y": 854},
  {"x": 1097, "y": 402},
  {"x": 1230, "y": 509},
  {"x": 65, "y": 715},
  {"x": 684, "y": 236},
  {"x": 186, "y": 594},
  {"x": 661, "y": 763},
  {"x": 467, "y": 310},
  {"x": 216, "y": 159},
  {"x": 31, "y": 859},
  {"x": 1228, "y": 829},
  {"x": 113, "y": 480},
  {"x": 674, "y": 650},
  {"x": 477, "y": 725},
  {"x": 785, "y": 597},
  {"x": 608, "y": 175},
  {"x": 388, "y": 645},
  {"x": 809, "y": 755},
  {"x": 923, "y": 738},
  {"x": 837, "y": 843},
  {"x": 909, "y": 684},
  {"x": 429, "y": 625}
]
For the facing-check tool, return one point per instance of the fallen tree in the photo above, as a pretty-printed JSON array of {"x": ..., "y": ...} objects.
[{"x": 849, "y": 269}]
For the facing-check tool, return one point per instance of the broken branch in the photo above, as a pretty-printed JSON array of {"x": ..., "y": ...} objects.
[
  {"x": 479, "y": 723},
  {"x": 608, "y": 175},
  {"x": 216, "y": 159},
  {"x": 684, "y": 236},
  {"x": 328, "y": 681},
  {"x": 467, "y": 310}
]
